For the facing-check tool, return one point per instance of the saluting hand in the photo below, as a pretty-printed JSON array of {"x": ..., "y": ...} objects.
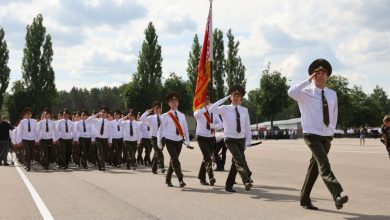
[{"x": 312, "y": 76}]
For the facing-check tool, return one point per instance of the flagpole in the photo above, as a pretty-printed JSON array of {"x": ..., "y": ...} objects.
[{"x": 211, "y": 85}]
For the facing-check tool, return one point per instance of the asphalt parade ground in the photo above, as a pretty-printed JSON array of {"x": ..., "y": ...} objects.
[{"x": 278, "y": 167}]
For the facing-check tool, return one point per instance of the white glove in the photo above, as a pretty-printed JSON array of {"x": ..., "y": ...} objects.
[
  {"x": 248, "y": 144},
  {"x": 226, "y": 98}
]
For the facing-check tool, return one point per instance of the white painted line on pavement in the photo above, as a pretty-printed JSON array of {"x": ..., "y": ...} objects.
[{"x": 37, "y": 199}]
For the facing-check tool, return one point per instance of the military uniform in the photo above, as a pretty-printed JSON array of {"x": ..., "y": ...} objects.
[
  {"x": 84, "y": 137},
  {"x": 154, "y": 122},
  {"x": 27, "y": 136},
  {"x": 102, "y": 128},
  {"x": 319, "y": 110},
  {"x": 132, "y": 138},
  {"x": 173, "y": 136},
  {"x": 206, "y": 124},
  {"x": 65, "y": 134},
  {"x": 117, "y": 142},
  {"x": 46, "y": 136},
  {"x": 238, "y": 136}
]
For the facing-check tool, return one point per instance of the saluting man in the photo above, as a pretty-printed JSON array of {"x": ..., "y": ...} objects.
[
  {"x": 27, "y": 136},
  {"x": 238, "y": 135},
  {"x": 152, "y": 117},
  {"x": 102, "y": 127},
  {"x": 173, "y": 129},
  {"x": 46, "y": 136},
  {"x": 146, "y": 144},
  {"x": 319, "y": 109},
  {"x": 206, "y": 124},
  {"x": 131, "y": 136}
]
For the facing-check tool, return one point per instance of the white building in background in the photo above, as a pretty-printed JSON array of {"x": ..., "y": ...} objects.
[{"x": 294, "y": 123}]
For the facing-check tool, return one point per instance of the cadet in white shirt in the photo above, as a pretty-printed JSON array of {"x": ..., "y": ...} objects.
[
  {"x": 152, "y": 117},
  {"x": 84, "y": 137},
  {"x": 117, "y": 139},
  {"x": 102, "y": 127},
  {"x": 65, "y": 134},
  {"x": 46, "y": 136},
  {"x": 206, "y": 124},
  {"x": 173, "y": 128},
  {"x": 319, "y": 109},
  {"x": 237, "y": 133},
  {"x": 27, "y": 136},
  {"x": 145, "y": 144},
  {"x": 132, "y": 137}
]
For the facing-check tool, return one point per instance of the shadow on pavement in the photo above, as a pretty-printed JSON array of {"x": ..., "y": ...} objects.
[{"x": 357, "y": 216}]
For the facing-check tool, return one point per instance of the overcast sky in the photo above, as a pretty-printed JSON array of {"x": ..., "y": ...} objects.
[{"x": 97, "y": 42}]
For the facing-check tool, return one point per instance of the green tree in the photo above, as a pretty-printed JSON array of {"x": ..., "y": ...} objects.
[
  {"x": 149, "y": 70},
  {"x": 176, "y": 83},
  {"x": 146, "y": 82},
  {"x": 218, "y": 65},
  {"x": 253, "y": 107},
  {"x": 365, "y": 111},
  {"x": 273, "y": 97},
  {"x": 4, "y": 69},
  {"x": 379, "y": 96},
  {"x": 37, "y": 72},
  {"x": 136, "y": 98},
  {"x": 340, "y": 85},
  {"x": 235, "y": 70},
  {"x": 193, "y": 63},
  {"x": 18, "y": 101}
]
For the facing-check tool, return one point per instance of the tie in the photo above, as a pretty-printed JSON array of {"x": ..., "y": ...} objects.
[
  {"x": 102, "y": 128},
  {"x": 325, "y": 109},
  {"x": 148, "y": 128},
  {"x": 118, "y": 126},
  {"x": 158, "y": 121},
  {"x": 84, "y": 127},
  {"x": 66, "y": 126},
  {"x": 131, "y": 128},
  {"x": 29, "y": 126},
  {"x": 177, "y": 130},
  {"x": 47, "y": 125},
  {"x": 238, "y": 121},
  {"x": 207, "y": 123}
]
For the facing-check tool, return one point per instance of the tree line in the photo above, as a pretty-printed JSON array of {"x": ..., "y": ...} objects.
[{"x": 267, "y": 102}]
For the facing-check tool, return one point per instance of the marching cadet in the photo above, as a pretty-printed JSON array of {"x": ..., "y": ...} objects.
[
  {"x": 152, "y": 117},
  {"x": 237, "y": 133},
  {"x": 206, "y": 124},
  {"x": 117, "y": 139},
  {"x": 318, "y": 106},
  {"x": 76, "y": 151},
  {"x": 65, "y": 135},
  {"x": 145, "y": 144},
  {"x": 84, "y": 138},
  {"x": 27, "y": 136},
  {"x": 174, "y": 129},
  {"x": 46, "y": 136},
  {"x": 131, "y": 136},
  {"x": 102, "y": 128}
]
